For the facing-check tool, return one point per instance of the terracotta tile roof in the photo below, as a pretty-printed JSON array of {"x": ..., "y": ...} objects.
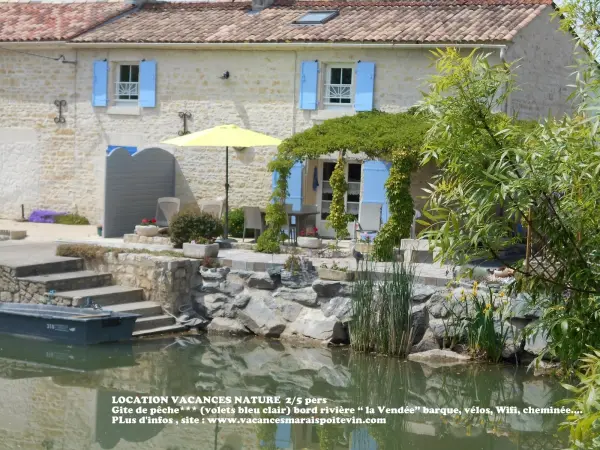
[
  {"x": 53, "y": 22},
  {"x": 358, "y": 21}
]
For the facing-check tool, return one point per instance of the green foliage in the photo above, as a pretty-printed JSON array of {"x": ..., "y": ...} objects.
[
  {"x": 584, "y": 428},
  {"x": 236, "y": 222},
  {"x": 375, "y": 133},
  {"x": 71, "y": 219},
  {"x": 276, "y": 217},
  {"x": 329, "y": 436},
  {"x": 569, "y": 326},
  {"x": 400, "y": 201},
  {"x": 338, "y": 219},
  {"x": 187, "y": 226},
  {"x": 268, "y": 242},
  {"x": 543, "y": 176},
  {"x": 381, "y": 320},
  {"x": 482, "y": 319}
]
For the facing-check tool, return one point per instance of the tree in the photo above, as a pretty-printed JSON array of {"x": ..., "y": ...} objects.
[{"x": 543, "y": 177}]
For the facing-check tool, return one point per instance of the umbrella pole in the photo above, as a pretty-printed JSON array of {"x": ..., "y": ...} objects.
[{"x": 226, "y": 228}]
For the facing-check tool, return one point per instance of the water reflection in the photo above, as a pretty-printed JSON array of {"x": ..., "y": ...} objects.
[{"x": 61, "y": 397}]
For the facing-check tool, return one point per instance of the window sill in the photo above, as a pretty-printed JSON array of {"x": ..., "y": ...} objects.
[
  {"x": 124, "y": 110},
  {"x": 333, "y": 113}
]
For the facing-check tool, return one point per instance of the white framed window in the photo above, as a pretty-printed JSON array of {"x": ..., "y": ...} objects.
[
  {"x": 339, "y": 85},
  {"x": 127, "y": 83}
]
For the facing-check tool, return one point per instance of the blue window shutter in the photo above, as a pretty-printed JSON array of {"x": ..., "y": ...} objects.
[
  {"x": 295, "y": 187},
  {"x": 131, "y": 150},
  {"x": 148, "y": 84},
  {"x": 100, "y": 86},
  {"x": 362, "y": 440},
  {"x": 365, "y": 82},
  {"x": 308, "y": 85},
  {"x": 375, "y": 174}
]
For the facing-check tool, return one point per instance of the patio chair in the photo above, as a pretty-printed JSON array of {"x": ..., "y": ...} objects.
[
  {"x": 252, "y": 220},
  {"x": 212, "y": 207},
  {"x": 166, "y": 208},
  {"x": 292, "y": 227}
]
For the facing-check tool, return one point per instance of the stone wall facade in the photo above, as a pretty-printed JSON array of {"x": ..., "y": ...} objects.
[{"x": 61, "y": 166}]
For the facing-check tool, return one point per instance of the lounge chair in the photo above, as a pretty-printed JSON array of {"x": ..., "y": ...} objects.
[
  {"x": 166, "y": 208},
  {"x": 252, "y": 220},
  {"x": 212, "y": 207}
]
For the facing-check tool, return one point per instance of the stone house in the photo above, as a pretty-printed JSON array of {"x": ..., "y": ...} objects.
[{"x": 127, "y": 73}]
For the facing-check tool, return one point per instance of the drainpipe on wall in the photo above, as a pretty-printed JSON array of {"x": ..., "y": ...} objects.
[{"x": 507, "y": 102}]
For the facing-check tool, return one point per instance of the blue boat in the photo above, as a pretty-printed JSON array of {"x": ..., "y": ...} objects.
[{"x": 80, "y": 326}]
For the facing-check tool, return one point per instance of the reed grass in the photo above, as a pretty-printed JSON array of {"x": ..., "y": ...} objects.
[{"x": 382, "y": 310}]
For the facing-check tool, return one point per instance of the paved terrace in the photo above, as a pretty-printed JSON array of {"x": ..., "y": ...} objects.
[{"x": 40, "y": 245}]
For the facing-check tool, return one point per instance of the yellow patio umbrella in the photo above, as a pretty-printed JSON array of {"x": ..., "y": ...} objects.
[{"x": 224, "y": 136}]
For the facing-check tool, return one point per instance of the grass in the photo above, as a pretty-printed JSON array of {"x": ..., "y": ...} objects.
[
  {"x": 382, "y": 311},
  {"x": 88, "y": 251}
]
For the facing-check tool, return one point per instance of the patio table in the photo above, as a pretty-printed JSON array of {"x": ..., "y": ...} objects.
[{"x": 300, "y": 215}]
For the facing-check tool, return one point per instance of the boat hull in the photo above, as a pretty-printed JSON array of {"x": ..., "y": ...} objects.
[{"x": 79, "y": 326}]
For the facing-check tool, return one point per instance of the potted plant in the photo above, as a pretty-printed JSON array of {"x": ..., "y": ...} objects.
[
  {"x": 309, "y": 238},
  {"x": 201, "y": 247},
  {"x": 335, "y": 272},
  {"x": 147, "y": 228},
  {"x": 364, "y": 244}
]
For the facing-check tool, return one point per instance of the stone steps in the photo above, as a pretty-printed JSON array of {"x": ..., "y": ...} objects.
[
  {"x": 144, "y": 308},
  {"x": 44, "y": 268},
  {"x": 103, "y": 296},
  {"x": 152, "y": 322},
  {"x": 69, "y": 281},
  {"x": 159, "y": 330}
]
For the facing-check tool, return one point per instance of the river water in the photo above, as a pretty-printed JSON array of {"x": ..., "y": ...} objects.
[{"x": 58, "y": 397}]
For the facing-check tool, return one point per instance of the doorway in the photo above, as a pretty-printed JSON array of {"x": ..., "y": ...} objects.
[{"x": 352, "y": 198}]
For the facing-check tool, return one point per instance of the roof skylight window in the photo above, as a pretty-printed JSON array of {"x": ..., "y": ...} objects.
[{"x": 316, "y": 17}]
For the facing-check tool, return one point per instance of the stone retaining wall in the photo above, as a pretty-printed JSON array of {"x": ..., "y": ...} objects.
[
  {"x": 164, "y": 279},
  {"x": 154, "y": 240}
]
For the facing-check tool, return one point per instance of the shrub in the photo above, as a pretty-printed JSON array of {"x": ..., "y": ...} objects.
[
  {"x": 187, "y": 226},
  {"x": 44, "y": 216},
  {"x": 89, "y": 251},
  {"x": 584, "y": 428},
  {"x": 268, "y": 242},
  {"x": 71, "y": 219},
  {"x": 236, "y": 222}
]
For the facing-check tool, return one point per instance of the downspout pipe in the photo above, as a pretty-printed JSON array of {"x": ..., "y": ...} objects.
[{"x": 507, "y": 101}]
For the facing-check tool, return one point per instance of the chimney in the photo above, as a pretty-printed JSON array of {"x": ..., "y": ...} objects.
[{"x": 259, "y": 5}]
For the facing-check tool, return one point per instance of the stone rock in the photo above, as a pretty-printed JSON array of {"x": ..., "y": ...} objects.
[
  {"x": 289, "y": 310},
  {"x": 535, "y": 344},
  {"x": 213, "y": 305},
  {"x": 439, "y": 357},
  {"x": 261, "y": 280},
  {"x": 427, "y": 342},
  {"x": 297, "y": 280},
  {"x": 261, "y": 319},
  {"x": 226, "y": 326},
  {"x": 325, "y": 288},
  {"x": 521, "y": 307},
  {"x": 420, "y": 321},
  {"x": 304, "y": 296},
  {"x": 214, "y": 274},
  {"x": 241, "y": 300},
  {"x": 313, "y": 324},
  {"x": 439, "y": 305},
  {"x": 422, "y": 293},
  {"x": 339, "y": 307},
  {"x": 544, "y": 368}
]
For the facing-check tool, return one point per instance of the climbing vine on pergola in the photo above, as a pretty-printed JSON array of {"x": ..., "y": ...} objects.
[{"x": 375, "y": 135}]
